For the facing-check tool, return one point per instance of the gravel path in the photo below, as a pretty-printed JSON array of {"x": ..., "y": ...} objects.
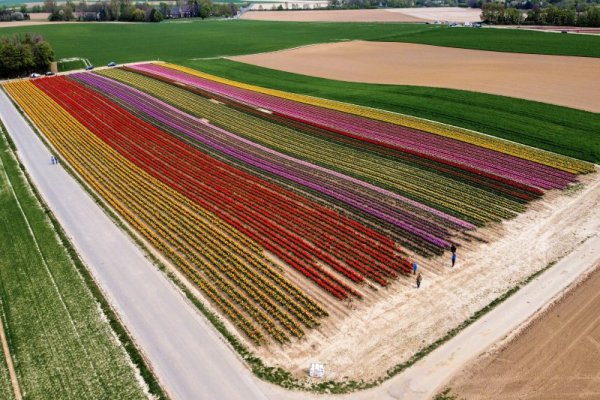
[{"x": 189, "y": 357}]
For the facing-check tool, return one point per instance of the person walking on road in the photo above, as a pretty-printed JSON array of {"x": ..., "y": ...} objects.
[
  {"x": 52, "y": 159},
  {"x": 419, "y": 278},
  {"x": 415, "y": 267}
]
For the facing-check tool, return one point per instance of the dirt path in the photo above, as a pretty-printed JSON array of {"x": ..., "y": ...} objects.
[
  {"x": 11, "y": 368},
  {"x": 562, "y": 80},
  {"x": 331, "y": 16},
  {"x": 452, "y": 14},
  {"x": 556, "y": 357}
]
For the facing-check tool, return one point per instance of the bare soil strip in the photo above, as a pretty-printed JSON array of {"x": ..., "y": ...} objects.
[
  {"x": 331, "y": 16},
  {"x": 563, "y": 80},
  {"x": 451, "y": 14},
  {"x": 11, "y": 368},
  {"x": 9, "y": 363},
  {"x": 555, "y": 357}
]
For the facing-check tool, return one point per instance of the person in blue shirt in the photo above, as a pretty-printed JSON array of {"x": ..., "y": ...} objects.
[
  {"x": 415, "y": 267},
  {"x": 453, "y": 259}
]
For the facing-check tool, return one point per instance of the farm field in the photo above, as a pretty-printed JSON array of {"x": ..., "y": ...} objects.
[
  {"x": 102, "y": 43},
  {"x": 555, "y": 357},
  {"x": 565, "y": 81},
  {"x": 331, "y": 16},
  {"x": 309, "y": 236},
  {"x": 453, "y": 14},
  {"x": 60, "y": 340},
  {"x": 557, "y": 129}
]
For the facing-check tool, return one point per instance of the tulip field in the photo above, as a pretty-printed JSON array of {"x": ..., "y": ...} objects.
[{"x": 275, "y": 204}]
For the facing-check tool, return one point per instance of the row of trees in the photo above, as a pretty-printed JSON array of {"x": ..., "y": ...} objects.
[
  {"x": 577, "y": 15},
  {"x": 126, "y": 10},
  {"x": 20, "y": 55}
]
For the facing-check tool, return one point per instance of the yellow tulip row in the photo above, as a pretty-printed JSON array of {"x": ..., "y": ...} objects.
[
  {"x": 402, "y": 177},
  {"x": 505, "y": 146},
  {"x": 210, "y": 252}
]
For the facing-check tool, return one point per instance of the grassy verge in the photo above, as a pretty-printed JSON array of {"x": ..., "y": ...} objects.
[
  {"x": 509, "y": 40},
  {"x": 176, "y": 42},
  {"x": 70, "y": 65},
  {"x": 62, "y": 330},
  {"x": 558, "y": 129}
]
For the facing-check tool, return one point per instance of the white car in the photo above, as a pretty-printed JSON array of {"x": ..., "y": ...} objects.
[{"x": 34, "y": 75}]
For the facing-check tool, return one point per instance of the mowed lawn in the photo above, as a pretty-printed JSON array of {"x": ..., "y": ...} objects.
[
  {"x": 558, "y": 129},
  {"x": 62, "y": 345}
]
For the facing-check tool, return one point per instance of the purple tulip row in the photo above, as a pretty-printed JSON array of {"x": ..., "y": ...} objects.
[
  {"x": 429, "y": 225},
  {"x": 513, "y": 170}
]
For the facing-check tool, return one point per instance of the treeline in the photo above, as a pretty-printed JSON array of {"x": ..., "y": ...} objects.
[
  {"x": 20, "y": 55},
  {"x": 366, "y": 4},
  {"x": 585, "y": 15},
  {"x": 126, "y": 10}
]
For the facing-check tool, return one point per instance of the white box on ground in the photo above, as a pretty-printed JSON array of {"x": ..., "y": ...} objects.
[{"x": 316, "y": 370}]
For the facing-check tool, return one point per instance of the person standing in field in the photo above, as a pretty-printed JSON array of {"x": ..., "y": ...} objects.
[
  {"x": 415, "y": 267},
  {"x": 453, "y": 259},
  {"x": 419, "y": 278}
]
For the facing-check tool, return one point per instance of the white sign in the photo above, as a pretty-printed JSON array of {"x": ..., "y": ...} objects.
[{"x": 316, "y": 370}]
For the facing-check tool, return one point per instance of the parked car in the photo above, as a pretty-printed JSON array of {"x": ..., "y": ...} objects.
[
  {"x": 89, "y": 68},
  {"x": 49, "y": 73},
  {"x": 111, "y": 64},
  {"x": 34, "y": 75}
]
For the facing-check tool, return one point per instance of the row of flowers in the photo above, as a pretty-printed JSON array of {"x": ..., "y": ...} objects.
[
  {"x": 518, "y": 172},
  {"x": 489, "y": 142},
  {"x": 227, "y": 266},
  {"x": 430, "y": 194}
]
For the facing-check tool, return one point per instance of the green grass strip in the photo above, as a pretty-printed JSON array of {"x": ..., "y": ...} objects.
[{"x": 562, "y": 130}]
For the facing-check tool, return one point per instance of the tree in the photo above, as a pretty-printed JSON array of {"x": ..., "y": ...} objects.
[
  {"x": 49, "y": 5},
  {"x": 156, "y": 15},
  {"x": 205, "y": 8},
  {"x": 138, "y": 15},
  {"x": 20, "y": 55},
  {"x": 492, "y": 13}
]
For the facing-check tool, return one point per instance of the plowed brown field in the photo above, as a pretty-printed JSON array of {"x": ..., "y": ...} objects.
[
  {"x": 556, "y": 357},
  {"x": 562, "y": 80}
]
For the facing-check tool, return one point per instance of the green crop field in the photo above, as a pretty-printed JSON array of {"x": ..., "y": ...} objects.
[
  {"x": 509, "y": 40},
  {"x": 559, "y": 129},
  {"x": 6, "y": 391},
  {"x": 62, "y": 345},
  {"x": 178, "y": 42}
]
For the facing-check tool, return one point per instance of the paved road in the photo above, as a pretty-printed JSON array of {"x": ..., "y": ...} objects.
[
  {"x": 188, "y": 355},
  {"x": 190, "y": 358}
]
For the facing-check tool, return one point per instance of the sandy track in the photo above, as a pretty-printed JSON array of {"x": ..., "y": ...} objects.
[
  {"x": 379, "y": 334},
  {"x": 556, "y": 357},
  {"x": 332, "y": 16},
  {"x": 562, "y": 80},
  {"x": 453, "y": 14}
]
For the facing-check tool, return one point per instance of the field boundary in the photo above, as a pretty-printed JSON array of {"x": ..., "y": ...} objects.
[
  {"x": 6, "y": 350},
  {"x": 135, "y": 354}
]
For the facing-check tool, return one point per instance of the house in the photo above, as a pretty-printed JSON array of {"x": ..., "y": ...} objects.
[{"x": 183, "y": 11}]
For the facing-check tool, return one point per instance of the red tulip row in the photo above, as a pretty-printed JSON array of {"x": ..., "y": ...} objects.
[{"x": 302, "y": 233}]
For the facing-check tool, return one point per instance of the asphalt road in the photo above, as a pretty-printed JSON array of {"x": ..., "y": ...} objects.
[{"x": 188, "y": 355}]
